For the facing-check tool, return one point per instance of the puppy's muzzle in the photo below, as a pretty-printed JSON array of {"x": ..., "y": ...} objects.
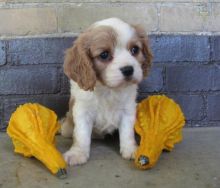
[{"x": 127, "y": 71}]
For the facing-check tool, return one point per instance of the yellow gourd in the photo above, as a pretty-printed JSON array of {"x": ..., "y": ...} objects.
[
  {"x": 159, "y": 123},
  {"x": 32, "y": 128}
]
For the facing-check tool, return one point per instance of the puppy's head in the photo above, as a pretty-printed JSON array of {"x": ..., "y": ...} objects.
[{"x": 111, "y": 52}]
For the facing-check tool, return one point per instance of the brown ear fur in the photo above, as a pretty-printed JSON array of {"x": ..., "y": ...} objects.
[
  {"x": 146, "y": 50},
  {"x": 78, "y": 66}
]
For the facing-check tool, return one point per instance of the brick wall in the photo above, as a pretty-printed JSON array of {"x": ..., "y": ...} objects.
[
  {"x": 37, "y": 17},
  {"x": 184, "y": 37}
]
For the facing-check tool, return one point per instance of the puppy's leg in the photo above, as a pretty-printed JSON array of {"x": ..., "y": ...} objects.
[
  {"x": 67, "y": 125},
  {"x": 127, "y": 139},
  {"x": 80, "y": 150},
  {"x": 67, "y": 122}
]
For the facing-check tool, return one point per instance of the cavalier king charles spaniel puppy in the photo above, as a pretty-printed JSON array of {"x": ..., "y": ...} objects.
[{"x": 104, "y": 66}]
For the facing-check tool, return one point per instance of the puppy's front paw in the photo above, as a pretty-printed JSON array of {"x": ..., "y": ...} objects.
[
  {"x": 76, "y": 156},
  {"x": 128, "y": 152}
]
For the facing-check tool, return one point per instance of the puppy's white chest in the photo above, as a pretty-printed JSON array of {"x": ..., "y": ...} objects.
[
  {"x": 104, "y": 107},
  {"x": 108, "y": 116}
]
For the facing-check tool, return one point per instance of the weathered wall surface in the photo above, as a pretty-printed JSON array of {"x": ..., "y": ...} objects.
[
  {"x": 36, "y": 17},
  {"x": 184, "y": 37}
]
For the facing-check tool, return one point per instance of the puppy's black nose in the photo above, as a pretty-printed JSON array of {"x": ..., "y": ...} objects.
[{"x": 127, "y": 71}]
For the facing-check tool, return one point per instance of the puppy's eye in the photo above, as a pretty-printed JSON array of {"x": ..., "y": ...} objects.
[
  {"x": 104, "y": 56},
  {"x": 135, "y": 50}
]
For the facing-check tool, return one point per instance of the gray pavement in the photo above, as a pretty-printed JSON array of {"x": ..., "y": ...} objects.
[{"x": 194, "y": 163}]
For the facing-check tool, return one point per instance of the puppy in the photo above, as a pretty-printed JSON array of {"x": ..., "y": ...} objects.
[{"x": 104, "y": 66}]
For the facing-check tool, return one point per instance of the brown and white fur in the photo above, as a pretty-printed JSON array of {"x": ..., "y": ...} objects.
[{"x": 102, "y": 92}]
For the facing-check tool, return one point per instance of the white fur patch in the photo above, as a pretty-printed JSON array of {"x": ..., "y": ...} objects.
[{"x": 125, "y": 31}]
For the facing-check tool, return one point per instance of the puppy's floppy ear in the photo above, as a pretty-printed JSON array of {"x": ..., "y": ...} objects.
[
  {"x": 145, "y": 48},
  {"x": 78, "y": 65}
]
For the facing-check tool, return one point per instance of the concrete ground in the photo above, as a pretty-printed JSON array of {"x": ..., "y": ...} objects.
[{"x": 194, "y": 163}]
